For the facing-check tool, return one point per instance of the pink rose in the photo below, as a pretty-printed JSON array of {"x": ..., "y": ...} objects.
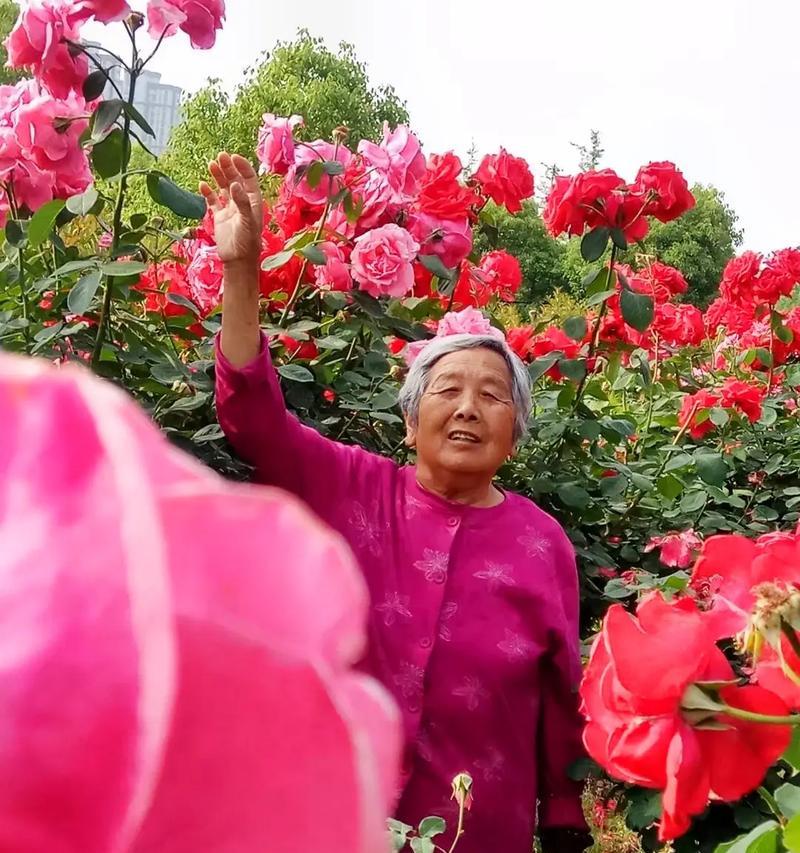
[
  {"x": 469, "y": 321},
  {"x": 399, "y": 158},
  {"x": 381, "y": 261},
  {"x": 159, "y": 663},
  {"x": 104, "y": 11},
  {"x": 199, "y": 19},
  {"x": 335, "y": 273},
  {"x": 49, "y": 130},
  {"x": 311, "y": 152},
  {"x": 37, "y": 43},
  {"x": 450, "y": 239},
  {"x": 412, "y": 350},
  {"x": 33, "y": 186},
  {"x": 204, "y": 275},
  {"x": 275, "y": 149},
  {"x": 677, "y": 548}
]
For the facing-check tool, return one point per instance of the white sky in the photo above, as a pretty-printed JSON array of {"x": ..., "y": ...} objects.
[{"x": 709, "y": 84}]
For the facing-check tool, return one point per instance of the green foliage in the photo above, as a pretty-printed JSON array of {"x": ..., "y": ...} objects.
[
  {"x": 9, "y": 10},
  {"x": 525, "y": 237}
]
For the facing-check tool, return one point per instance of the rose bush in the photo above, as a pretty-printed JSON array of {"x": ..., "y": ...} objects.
[{"x": 656, "y": 427}]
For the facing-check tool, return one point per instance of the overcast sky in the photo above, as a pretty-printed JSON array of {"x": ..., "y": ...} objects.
[{"x": 710, "y": 84}]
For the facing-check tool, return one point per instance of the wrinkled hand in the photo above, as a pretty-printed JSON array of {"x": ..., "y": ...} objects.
[{"x": 237, "y": 206}]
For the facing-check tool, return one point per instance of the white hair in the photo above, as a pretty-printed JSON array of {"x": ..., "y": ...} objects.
[{"x": 419, "y": 375}]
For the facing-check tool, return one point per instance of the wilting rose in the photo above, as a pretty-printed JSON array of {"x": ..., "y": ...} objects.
[
  {"x": 275, "y": 150},
  {"x": 381, "y": 261},
  {"x": 449, "y": 239},
  {"x": 148, "y": 606},
  {"x": 638, "y": 727},
  {"x": 507, "y": 180},
  {"x": 670, "y": 196},
  {"x": 199, "y": 19},
  {"x": 677, "y": 548}
]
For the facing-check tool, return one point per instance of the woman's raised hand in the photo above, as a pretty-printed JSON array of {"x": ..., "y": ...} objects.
[{"x": 238, "y": 208}]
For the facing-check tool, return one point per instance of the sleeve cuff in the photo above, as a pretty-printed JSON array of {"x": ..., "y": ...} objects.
[
  {"x": 562, "y": 812},
  {"x": 251, "y": 371}
]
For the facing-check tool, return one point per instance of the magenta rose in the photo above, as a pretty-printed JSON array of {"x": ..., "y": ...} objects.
[
  {"x": 335, "y": 273},
  {"x": 381, "y": 261},
  {"x": 199, "y": 19},
  {"x": 311, "y": 152},
  {"x": 37, "y": 43},
  {"x": 399, "y": 157},
  {"x": 450, "y": 239},
  {"x": 275, "y": 149}
]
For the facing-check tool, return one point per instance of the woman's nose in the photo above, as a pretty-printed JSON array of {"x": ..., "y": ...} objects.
[{"x": 467, "y": 410}]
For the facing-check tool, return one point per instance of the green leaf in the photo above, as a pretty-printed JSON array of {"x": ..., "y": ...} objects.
[
  {"x": 398, "y": 832},
  {"x": 82, "y": 293},
  {"x": 679, "y": 460},
  {"x": 15, "y": 233},
  {"x": 177, "y": 299},
  {"x": 637, "y": 309},
  {"x": 575, "y": 328},
  {"x": 669, "y": 486},
  {"x": 332, "y": 342},
  {"x": 105, "y": 116},
  {"x": 540, "y": 366},
  {"x": 584, "y": 768},
  {"x": 296, "y": 373},
  {"x": 82, "y": 203},
  {"x": 718, "y": 416},
  {"x": 788, "y": 798},
  {"x": 791, "y": 835},
  {"x": 764, "y": 356},
  {"x": 572, "y": 368},
  {"x": 121, "y": 268},
  {"x": 711, "y": 467},
  {"x": 137, "y": 117},
  {"x": 314, "y": 254},
  {"x": 138, "y": 220},
  {"x": 597, "y": 298},
  {"x": 167, "y": 193},
  {"x": 422, "y": 845},
  {"x": 644, "y": 810},
  {"x": 693, "y": 501},
  {"x": 434, "y": 264},
  {"x": 574, "y": 496},
  {"x": 47, "y": 334},
  {"x": 619, "y": 239},
  {"x": 42, "y": 222},
  {"x": 274, "y": 262},
  {"x": 432, "y": 826},
  {"x": 313, "y": 174},
  {"x": 594, "y": 244},
  {"x": 94, "y": 84},
  {"x": 763, "y": 839},
  {"x": 792, "y": 754},
  {"x": 110, "y": 157}
]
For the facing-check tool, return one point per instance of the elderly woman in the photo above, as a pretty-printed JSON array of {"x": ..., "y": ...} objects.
[{"x": 474, "y": 591}]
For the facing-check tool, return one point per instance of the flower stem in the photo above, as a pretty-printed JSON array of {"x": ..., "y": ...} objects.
[
  {"x": 755, "y": 717},
  {"x": 459, "y": 827},
  {"x": 104, "y": 321},
  {"x": 24, "y": 294}
]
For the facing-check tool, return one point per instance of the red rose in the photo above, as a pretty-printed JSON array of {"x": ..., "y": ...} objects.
[
  {"x": 658, "y": 280},
  {"x": 679, "y": 325},
  {"x": 779, "y": 277},
  {"x": 573, "y": 200},
  {"x": 441, "y": 194},
  {"x": 667, "y": 190},
  {"x": 743, "y": 396},
  {"x": 303, "y": 350},
  {"x": 739, "y": 278},
  {"x": 638, "y": 723},
  {"x": 691, "y": 406},
  {"x": 506, "y": 179},
  {"x": 520, "y": 339},
  {"x": 733, "y": 318},
  {"x": 623, "y": 210},
  {"x": 498, "y": 275}
]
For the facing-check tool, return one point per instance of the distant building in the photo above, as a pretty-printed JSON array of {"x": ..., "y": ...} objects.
[{"x": 158, "y": 102}]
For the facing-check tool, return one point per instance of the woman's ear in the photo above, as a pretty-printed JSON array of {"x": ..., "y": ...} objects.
[{"x": 411, "y": 434}]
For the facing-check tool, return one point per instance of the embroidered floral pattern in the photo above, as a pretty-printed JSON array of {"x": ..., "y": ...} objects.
[
  {"x": 496, "y": 575},
  {"x": 515, "y": 646},
  {"x": 394, "y": 605},
  {"x": 534, "y": 543},
  {"x": 472, "y": 691},
  {"x": 434, "y": 565}
]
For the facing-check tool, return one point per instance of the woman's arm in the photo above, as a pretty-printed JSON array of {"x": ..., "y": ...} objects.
[{"x": 250, "y": 405}]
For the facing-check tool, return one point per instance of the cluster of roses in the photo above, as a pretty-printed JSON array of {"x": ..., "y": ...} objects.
[
  {"x": 687, "y": 724},
  {"x": 42, "y": 120},
  {"x": 602, "y": 199},
  {"x": 406, "y": 219},
  {"x": 734, "y": 395}
]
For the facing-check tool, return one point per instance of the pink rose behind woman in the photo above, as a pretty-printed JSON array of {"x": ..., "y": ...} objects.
[
  {"x": 166, "y": 683},
  {"x": 275, "y": 149},
  {"x": 381, "y": 261}
]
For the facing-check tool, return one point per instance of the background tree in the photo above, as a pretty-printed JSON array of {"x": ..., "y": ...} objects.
[
  {"x": 328, "y": 88},
  {"x": 9, "y": 11}
]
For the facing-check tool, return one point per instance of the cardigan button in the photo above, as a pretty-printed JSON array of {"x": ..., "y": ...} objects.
[
  {"x": 452, "y": 521},
  {"x": 425, "y": 643}
]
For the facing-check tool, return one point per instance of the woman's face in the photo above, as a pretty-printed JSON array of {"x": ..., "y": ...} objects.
[{"x": 466, "y": 415}]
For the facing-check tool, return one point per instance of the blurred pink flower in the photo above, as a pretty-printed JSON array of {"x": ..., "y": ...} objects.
[
  {"x": 677, "y": 548},
  {"x": 199, "y": 19},
  {"x": 275, "y": 149},
  {"x": 381, "y": 261},
  {"x": 470, "y": 321},
  {"x": 449, "y": 239},
  {"x": 167, "y": 685}
]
